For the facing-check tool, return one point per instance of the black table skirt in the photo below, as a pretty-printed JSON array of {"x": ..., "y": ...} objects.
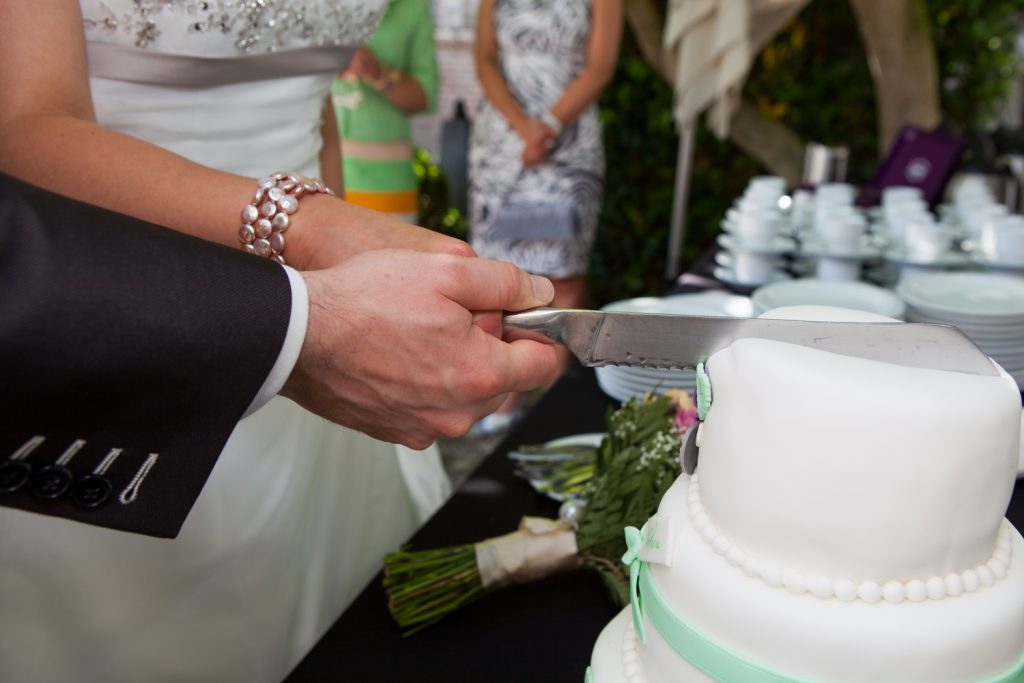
[{"x": 544, "y": 631}]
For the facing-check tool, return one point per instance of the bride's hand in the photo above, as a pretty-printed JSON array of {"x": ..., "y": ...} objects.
[
  {"x": 328, "y": 231},
  {"x": 393, "y": 349}
]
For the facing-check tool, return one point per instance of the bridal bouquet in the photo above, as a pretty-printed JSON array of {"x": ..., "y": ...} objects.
[{"x": 637, "y": 461}]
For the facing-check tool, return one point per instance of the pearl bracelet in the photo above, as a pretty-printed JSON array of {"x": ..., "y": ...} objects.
[{"x": 267, "y": 217}]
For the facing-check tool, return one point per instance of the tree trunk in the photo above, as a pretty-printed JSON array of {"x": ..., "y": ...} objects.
[
  {"x": 777, "y": 147},
  {"x": 897, "y": 36},
  {"x": 647, "y": 22}
]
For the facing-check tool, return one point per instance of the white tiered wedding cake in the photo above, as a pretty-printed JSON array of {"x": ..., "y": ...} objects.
[{"x": 844, "y": 525}]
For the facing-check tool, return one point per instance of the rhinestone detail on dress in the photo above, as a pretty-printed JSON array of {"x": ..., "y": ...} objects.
[{"x": 256, "y": 25}]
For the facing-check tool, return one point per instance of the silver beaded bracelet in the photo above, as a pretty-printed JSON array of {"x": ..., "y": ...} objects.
[{"x": 265, "y": 220}]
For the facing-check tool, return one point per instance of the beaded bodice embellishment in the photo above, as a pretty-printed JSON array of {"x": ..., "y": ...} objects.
[{"x": 248, "y": 26}]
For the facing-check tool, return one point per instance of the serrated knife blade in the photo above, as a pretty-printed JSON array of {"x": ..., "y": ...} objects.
[{"x": 599, "y": 338}]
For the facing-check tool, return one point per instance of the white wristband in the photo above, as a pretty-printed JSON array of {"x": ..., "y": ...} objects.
[{"x": 552, "y": 120}]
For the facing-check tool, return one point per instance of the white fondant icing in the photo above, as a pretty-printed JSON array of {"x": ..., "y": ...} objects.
[
  {"x": 847, "y": 522},
  {"x": 846, "y": 467},
  {"x": 824, "y": 587},
  {"x": 963, "y": 640}
]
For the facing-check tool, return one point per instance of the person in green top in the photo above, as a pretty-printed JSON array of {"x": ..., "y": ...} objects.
[{"x": 391, "y": 77}]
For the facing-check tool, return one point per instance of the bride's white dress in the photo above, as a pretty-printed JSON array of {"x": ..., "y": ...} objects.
[{"x": 297, "y": 513}]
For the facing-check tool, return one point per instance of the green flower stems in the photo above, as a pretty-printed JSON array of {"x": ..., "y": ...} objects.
[{"x": 634, "y": 466}]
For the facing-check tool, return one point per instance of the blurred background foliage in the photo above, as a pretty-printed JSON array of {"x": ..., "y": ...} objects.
[{"x": 813, "y": 77}]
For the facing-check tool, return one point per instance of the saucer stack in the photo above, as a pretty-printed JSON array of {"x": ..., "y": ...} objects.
[
  {"x": 621, "y": 382},
  {"x": 916, "y": 241},
  {"x": 987, "y": 307},
  {"x": 838, "y": 239},
  {"x": 754, "y": 235}
]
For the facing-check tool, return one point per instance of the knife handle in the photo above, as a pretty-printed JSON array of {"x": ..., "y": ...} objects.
[{"x": 570, "y": 327}]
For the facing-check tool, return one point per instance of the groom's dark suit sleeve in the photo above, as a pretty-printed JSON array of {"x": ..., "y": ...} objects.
[{"x": 127, "y": 354}]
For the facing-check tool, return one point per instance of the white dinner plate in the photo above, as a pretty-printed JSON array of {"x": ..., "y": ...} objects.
[
  {"x": 720, "y": 304},
  {"x": 778, "y": 245},
  {"x": 814, "y": 292},
  {"x": 1013, "y": 267},
  {"x": 623, "y": 382},
  {"x": 947, "y": 259},
  {"x": 813, "y": 246},
  {"x": 1020, "y": 461},
  {"x": 975, "y": 297},
  {"x": 727, "y": 260},
  {"x": 1004, "y": 330},
  {"x": 626, "y": 383},
  {"x": 727, "y": 276},
  {"x": 644, "y": 386}
]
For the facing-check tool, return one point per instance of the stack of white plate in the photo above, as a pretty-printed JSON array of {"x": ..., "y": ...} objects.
[
  {"x": 988, "y": 307},
  {"x": 622, "y": 382},
  {"x": 859, "y": 296}
]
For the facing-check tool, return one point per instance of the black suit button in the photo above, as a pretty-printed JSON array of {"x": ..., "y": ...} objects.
[
  {"x": 51, "y": 481},
  {"x": 13, "y": 475},
  {"x": 91, "y": 491}
]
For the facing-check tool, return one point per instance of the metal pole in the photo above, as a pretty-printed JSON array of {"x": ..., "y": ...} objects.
[{"x": 677, "y": 228}]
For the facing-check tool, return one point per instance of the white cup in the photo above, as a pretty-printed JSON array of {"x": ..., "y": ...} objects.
[
  {"x": 766, "y": 186},
  {"x": 774, "y": 182},
  {"x": 753, "y": 268},
  {"x": 802, "y": 208},
  {"x": 840, "y": 192},
  {"x": 898, "y": 217},
  {"x": 901, "y": 193},
  {"x": 977, "y": 217},
  {"x": 837, "y": 269},
  {"x": 927, "y": 240},
  {"x": 842, "y": 234},
  {"x": 758, "y": 202},
  {"x": 1002, "y": 239},
  {"x": 826, "y": 213},
  {"x": 757, "y": 228},
  {"x": 900, "y": 207},
  {"x": 971, "y": 188}
]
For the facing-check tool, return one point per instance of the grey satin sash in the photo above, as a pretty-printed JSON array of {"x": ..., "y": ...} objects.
[{"x": 122, "y": 63}]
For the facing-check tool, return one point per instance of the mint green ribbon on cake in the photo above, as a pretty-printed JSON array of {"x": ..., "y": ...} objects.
[
  {"x": 704, "y": 653},
  {"x": 632, "y": 560},
  {"x": 703, "y": 392}
]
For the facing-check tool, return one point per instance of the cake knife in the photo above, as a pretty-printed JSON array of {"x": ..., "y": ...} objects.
[{"x": 681, "y": 341}]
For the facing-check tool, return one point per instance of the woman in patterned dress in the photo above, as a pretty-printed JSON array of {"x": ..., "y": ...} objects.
[{"x": 537, "y": 136}]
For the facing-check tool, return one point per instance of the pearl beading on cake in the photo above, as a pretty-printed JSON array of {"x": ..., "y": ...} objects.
[
  {"x": 631, "y": 667},
  {"x": 915, "y": 590}
]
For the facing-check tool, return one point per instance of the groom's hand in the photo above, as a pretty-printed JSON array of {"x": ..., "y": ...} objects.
[{"x": 392, "y": 348}]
